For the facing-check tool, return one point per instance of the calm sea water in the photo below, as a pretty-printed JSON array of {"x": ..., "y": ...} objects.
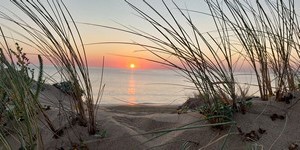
[{"x": 125, "y": 86}]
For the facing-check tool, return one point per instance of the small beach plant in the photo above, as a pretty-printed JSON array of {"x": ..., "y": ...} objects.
[
  {"x": 19, "y": 100},
  {"x": 66, "y": 87}
]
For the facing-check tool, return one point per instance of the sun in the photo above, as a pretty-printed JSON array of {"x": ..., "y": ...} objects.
[{"x": 132, "y": 66}]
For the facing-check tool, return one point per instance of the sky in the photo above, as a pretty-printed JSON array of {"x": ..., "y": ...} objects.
[
  {"x": 113, "y": 13},
  {"x": 117, "y": 13}
]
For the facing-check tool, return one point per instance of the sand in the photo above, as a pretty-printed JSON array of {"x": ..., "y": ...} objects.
[{"x": 151, "y": 127}]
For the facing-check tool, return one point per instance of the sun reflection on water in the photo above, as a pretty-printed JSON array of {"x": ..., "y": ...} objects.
[{"x": 131, "y": 90}]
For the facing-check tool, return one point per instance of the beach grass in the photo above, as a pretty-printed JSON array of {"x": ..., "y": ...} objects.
[
  {"x": 54, "y": 34},
  {"x": 267, "y": 32},
  {"x": 267, "y": 41},
  {"x": 204, "y": 61},
  {"x": 58, "y": 39},
  {"x": 263, "y": 34}
]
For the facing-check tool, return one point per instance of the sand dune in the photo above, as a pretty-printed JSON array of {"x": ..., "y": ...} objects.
[{"x": 135, "y": 127}]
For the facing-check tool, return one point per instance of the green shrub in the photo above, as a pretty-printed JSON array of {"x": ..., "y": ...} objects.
[
  {"x": 67, "y": 87},
  {"x": 218, "y": 112}
]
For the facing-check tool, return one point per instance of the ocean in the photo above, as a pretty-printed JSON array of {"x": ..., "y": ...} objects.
[{"x": 134, "y": 86}]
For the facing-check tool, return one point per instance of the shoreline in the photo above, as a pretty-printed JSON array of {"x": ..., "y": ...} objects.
[{"x": 171, "y": 109}]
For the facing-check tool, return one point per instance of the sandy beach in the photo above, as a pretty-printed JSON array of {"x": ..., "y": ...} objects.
[
  {"x": 160, "y": 127},
  {"x": 128, "y": 124}
]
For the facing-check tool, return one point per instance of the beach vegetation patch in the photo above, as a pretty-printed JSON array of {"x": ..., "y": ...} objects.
[
  {"x": 19, "y": 104},
  {"x": 67, "y": 87}
]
